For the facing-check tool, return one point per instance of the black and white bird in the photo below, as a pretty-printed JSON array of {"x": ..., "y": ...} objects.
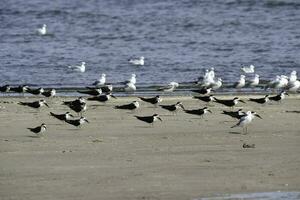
[
  {"x": 153, "y": 100},
  {"x": 279, "y": 97},
  {"x": 20, "y": 89},
  {"x": 49, "y": 93},
  {"x": 35, "y": 104},
  {"x": 37, "y": 91},
  {"x": 200, "y": 112},
  {"x": 203, "y": 91},
  {"x": 206, "y": 99},
  {"x": 149, "y": 119},
  {"x": 132, "y": 106},
  {"x": 104, "y": 88},
  {"x": 91, "y": 91},
  {"x": 229, "y": 102},
  {"x": 102, "y": 98},
  {"x": 77, "y": 122},
  {"x": 78, "y": 105},
  {"x": 63, "y": 117},
  {"x": 5, "y": 88},
  {"x": 263, "y": 100},
  {"x": 246, "y": 120},
  {"x": 235, "y": 114},
  {"x": 173, "y": 107},
  {"x": 39, "y": 130}
]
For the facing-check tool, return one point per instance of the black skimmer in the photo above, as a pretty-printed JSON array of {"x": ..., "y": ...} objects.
[
  {"x": 229, "y": 102},
  {"x": 132, "y": 106},
  {"x": 203, "y": 91},
  {"x": 92, "y": 91},
  {"x": 235, "y": 114},
  {"x": 149, "y": 119},
  {"x": 5, "y": 88},
  {"x": 279, "y": 97},
  {"x": 39, "y": 130},
  {"x": 63, "y": 117},
  {"x": 199, "y": 112},
  {"x": 35, "y": 104},
  {"x": 104, "y": 88},
  {"x": 49, "y": 93},
  {"x": 38, "y": 91},
  {"x": 263, "y": 100},
  {"x": 78, "y": 105},
  {"x": 206, "y": 99},
  {"x": 102, "y": 98},
  {"x": 77, "y": 122},
  {"x": 20, "y": 89},
  {"x": 246, "y": 120},
  {"x": 153, "y": 100},
  {"x": 173, "y": 107}
]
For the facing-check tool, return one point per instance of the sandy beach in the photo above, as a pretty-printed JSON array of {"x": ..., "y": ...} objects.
[{"x": 116, "y": 156}]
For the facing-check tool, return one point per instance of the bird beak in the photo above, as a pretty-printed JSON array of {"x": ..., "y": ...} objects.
[
  {"x": 46, "y": 105},
  {"x": 86, "y": 121},
  {"x": 182, "y": 106},
  {"x": 159, "y": 118},
  {"x": 257, "y": 115},
  {"x": 287, "y": 94},
  {"x": 242, "y": 101},
  {"x": 113, "y": 96},
  {"x": 209, "y": 111},
  {"x": 71, "y": 115}
]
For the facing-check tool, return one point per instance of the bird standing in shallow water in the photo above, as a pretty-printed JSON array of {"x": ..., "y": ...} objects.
[{"x": 43, "y": 30}]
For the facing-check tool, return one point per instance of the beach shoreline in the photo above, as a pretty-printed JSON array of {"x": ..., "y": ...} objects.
[{"x": 116, "y": 156}]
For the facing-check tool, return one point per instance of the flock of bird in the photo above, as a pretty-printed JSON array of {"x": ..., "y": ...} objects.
[{"x": 102, "y": 92}]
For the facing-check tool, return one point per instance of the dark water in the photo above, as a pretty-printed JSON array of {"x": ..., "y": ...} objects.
[{"x": 178, "y": 38}]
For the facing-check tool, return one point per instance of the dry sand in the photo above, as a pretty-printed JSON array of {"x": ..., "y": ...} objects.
[{"x": 118, "y": 157}]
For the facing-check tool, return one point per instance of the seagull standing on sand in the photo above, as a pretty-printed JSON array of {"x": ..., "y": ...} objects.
[
  {"x": 294, "y": 86},
  {"x": 43, "y": 30},
  {"x": 38, "y": 130},
  {"x": 79, "y": 68},
  {"x": 246, "y": 120},
  {"x": 137, "y": 61},
  {"x": 101, "y": 81},
  {"x": 248, "y": 70},
  {"x": 170, "y": 87}
]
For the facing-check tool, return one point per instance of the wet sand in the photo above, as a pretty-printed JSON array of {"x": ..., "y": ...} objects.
[{"x": 116, "y": 156}]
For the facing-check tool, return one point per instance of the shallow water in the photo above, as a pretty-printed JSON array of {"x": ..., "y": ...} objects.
[
  {"x": 258, "y": 196},
  {"x": 179, "y": 39}
]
